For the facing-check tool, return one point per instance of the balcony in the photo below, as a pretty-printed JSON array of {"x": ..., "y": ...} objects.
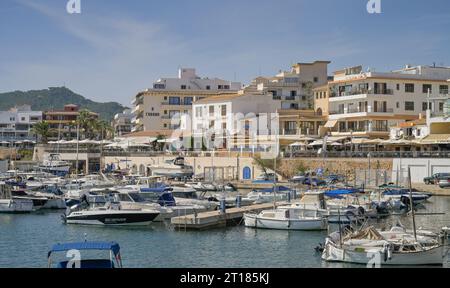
[
  {"x": 354, "y": 92},
  {"x": 356, "y": 110}
]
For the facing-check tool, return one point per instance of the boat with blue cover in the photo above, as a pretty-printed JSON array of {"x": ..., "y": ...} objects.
[{"x": 77, "y": 260}]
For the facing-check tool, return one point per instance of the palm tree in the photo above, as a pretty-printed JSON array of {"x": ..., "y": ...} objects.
[
  {"x": 42, "y": 130},
  {"x": 86, "y": 123},
  {"x": 104, "y": 129}
]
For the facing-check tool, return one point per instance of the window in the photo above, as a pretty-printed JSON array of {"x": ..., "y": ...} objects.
[
  {"x": 165, "y": 112},
  {"x": 172, "y": 113},
  {"x": 293, "y": 93},
  {"x": 290, "y": 80},
  {"x": 226, "y": 87},
  {"x": 188, "y": 100},
  {"x": 303, "y": 97},
  {"x": 165, "y": 97},
  {"x": 317, "y": 95},
  {"x": 159, "y": 86},
  {"x": 22, "y": 119},
  {"x": 224, "y": 110},
  {"x": 441, "y": 107},
  {"x": 198, "y": 111},
  {"x": 274, "y": 92},
  {"x": 409, "y": 88},
  {"x": 211, "y": 110},
  {"x": 174, "y": 100},
  {"x": 397, "y": 105},
  {"x": 443, "y": 89},
  {"x": 224, "y": 126},
  {"x": 426, "y": 87},
  {"x": 208, "y": 87},
  {"x": 165, "y": 125},
  {"x": 316, "y": 79},
  {"x": 424, "y": 106},
  {"x": 398, "y": 87},
  {"x": 220, "y": 87},
  {"x": 409, "y": 106},
  {"x": 183, "y": 87},
  {"x": 211, "y": 124}
]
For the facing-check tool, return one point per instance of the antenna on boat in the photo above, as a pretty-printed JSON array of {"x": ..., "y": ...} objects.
[{"x": 413, "y": 215}]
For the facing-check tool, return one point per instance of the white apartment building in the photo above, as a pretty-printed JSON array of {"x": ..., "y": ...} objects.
[
  {"x": 122, "y": 123},
  {"x": 16, "y": 124},
  {"x": 228, "y": 115},
  {"x": 368, "y": 103},
  {"x": 293, "y": 88},
  {"x": 154, "y": 108}
]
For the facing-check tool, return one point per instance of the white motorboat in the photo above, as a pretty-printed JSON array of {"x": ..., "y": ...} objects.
[
  {"x": 394, "y": 247},
  {"x": 185, "y": 196},
  {"x": 267, "y": 195},
  {"x": 130, "y": 199},
  {"x": 54, "y": 165},
  {"x": 8, "y": 204},
  {"x": 175, "y": 168},
  {"x": 99, "y": 212},
  {"x": 286, "y": 218}
]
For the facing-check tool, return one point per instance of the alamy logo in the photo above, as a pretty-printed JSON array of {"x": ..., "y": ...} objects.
[
  {"x": 374, "y": 6},
  {"x": 73, "y": 7}
]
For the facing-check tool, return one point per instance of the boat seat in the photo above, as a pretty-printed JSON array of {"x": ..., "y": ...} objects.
[{"x": 90, "y": 264}]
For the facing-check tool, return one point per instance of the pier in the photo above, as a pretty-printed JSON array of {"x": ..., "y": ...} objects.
[{"x": 217, "y": 219}]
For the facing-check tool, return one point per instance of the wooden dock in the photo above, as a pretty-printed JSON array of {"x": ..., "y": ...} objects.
[{"x": 216, "y": 219}]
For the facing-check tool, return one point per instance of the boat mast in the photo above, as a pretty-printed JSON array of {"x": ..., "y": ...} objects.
[
  {"x": 413, "y": 215},
  {"x": 78, "y": 144}
]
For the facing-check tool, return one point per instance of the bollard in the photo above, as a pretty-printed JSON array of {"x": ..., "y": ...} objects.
[
  {"x": 238, "y": 201},
  {"x": 223, "y": 207}
]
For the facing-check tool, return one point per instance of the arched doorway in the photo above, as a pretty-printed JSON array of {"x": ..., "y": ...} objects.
[
  {"x": 247, "y": 173},
  {"x": 319, "y": 112}
]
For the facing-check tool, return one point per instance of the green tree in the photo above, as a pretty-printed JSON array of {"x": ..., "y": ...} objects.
[{"x": 42, "y": 131}]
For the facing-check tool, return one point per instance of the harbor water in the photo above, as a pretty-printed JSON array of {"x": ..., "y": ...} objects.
[{"x": 25, "y": 240}]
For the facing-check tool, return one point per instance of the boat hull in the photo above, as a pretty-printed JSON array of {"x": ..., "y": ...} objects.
[
  {"x": 16, "y": 206},
  {"x": 283, "y": 224},
  {"x": 121, "y": 218},
  {"x": 333, "y": 253}
]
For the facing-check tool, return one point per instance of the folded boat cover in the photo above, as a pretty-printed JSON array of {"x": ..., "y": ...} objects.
[{"x": 369, "y": 233}]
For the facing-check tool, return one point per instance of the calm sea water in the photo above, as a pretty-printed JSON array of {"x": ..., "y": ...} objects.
[{"x": 25, "y": 240}]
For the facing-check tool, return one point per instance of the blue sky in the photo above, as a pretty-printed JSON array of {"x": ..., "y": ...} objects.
[{"x": 116, "y": 48}]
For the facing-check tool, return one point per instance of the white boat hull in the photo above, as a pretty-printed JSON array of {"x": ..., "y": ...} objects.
[
  {"x": 333, "y": 253},
  {"x": 254, "y": 221},
  {"x": 16, "y": 206}
]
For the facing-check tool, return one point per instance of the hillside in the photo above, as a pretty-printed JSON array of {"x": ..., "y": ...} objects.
[{"x": 56, "y": 98}]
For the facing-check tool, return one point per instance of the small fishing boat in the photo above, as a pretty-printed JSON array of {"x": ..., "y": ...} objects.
[
  {"x": 393, "y": 247},
  {"x": 286, "y": 218},
  {"x": 113, "y": 261}
]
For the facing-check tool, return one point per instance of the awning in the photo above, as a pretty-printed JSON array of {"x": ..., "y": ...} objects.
[
  {"x": 331, "y": 124},
  {"x": 436, "y": 139}
]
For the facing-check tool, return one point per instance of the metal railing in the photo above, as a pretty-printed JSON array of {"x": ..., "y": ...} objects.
[{"x": 365, "y": 154}]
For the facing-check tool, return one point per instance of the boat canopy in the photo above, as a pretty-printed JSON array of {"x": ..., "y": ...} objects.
[
  {"x": 339, "y": 192},
  {"x": 112, "y": 246}
]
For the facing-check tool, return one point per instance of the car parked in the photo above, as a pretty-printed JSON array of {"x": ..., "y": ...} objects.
[
  {"x": 435, "y": 178},
  {"x": 444, "y": 182},
  {"x": 312, "y": 181}
]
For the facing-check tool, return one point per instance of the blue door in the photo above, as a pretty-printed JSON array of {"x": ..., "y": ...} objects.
[{"x": 247, "y": 173}]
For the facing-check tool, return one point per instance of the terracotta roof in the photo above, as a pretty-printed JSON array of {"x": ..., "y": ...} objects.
[
  {"x": 219, "y": 98},
  {"x": 412, "y": 123},
  {"x": 150, "y": 133}
]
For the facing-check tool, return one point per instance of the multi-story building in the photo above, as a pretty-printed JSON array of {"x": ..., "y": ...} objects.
[
  {"x": 294, "y": 88},
  {"x": 122, "y": 123},
  {"x": 16, "y": 124},
  {"x": 227, "y": 116},
  {"x": 154, "y": 108},
  {"x": 367, "y": 104},
  {"x": 62, "y": 122}
]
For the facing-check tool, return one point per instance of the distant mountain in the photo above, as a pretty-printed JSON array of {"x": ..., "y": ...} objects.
[{"x": 56, "y": 98}]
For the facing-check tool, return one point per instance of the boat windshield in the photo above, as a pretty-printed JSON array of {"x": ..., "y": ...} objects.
[
  {"x": 136, "y": 197},
  {"x": 187, "y": 195}
]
